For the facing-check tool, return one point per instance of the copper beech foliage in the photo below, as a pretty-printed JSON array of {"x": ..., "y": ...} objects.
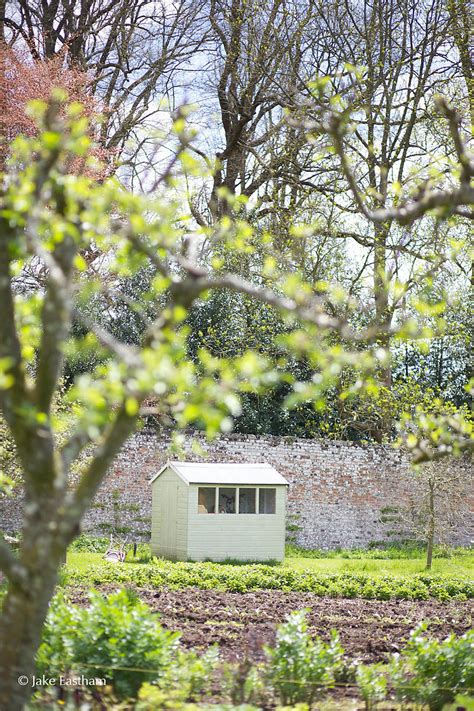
[{"x": 23, "y": 80}]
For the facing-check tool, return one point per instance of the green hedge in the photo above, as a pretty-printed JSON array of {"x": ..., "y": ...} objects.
[{"x": 213, "y": 576}]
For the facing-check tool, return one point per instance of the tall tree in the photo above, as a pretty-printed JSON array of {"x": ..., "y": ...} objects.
[
  {"x": 131, "y": 51},
  {"x": 401, "y": 48},
  {"x": 248, "y": 82}
]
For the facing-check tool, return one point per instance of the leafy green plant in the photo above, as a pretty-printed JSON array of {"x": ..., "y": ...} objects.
[
  {"x": 117, "y": 638},
  {"x": 92, "y": 544},
  {"x": 432, "y": 672},
  {"x": 300, "y": 667},
  {"x": 190, "y": 675},
  {"x": 56, "y": 654},
  {"x": 372, "y": 684},
  {"x": 292, "y": 528},
  {"x": 7, "y": 485},
  {"x": 187, "y": 679},
  {"x": 243, "y": 683},
  {"x": 245, "y": 578}
]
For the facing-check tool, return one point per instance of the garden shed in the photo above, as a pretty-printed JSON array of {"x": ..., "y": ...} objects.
[{"x": 215, "y": 511}]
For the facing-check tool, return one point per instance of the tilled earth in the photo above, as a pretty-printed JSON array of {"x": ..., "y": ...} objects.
[{"x": 242, "y": 623}]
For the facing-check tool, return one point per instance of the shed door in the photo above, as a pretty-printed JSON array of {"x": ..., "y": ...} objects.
[{"x": 169, "y": 529}]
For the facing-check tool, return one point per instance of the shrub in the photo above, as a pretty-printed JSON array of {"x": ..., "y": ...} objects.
[
  {"x": 117, "y": 638},
  {"x": 55, "y": 655},
  {"x": 92, "y": 544},
  {"x": 300, "y": 667},
  {"x": 372, "y": 685},
  {"x": 432, "y": 672}
]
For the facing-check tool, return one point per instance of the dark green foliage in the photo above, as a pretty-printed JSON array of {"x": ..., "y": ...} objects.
[
  {"x": 226, "y": 324},
  {"x": 123, "y": 312},
  {"x": 444, "y": 362}
]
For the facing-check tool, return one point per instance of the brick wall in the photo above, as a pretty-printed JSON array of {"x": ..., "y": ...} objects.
[{"x": 341, "y": 493}]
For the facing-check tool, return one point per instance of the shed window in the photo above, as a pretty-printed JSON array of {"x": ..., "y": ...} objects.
[
  {"x": 227, "y": 499},
  {"x": 207, "y": 500},
  {"x": 266, "y": 501},
  {"x": 247, "y": 498}
]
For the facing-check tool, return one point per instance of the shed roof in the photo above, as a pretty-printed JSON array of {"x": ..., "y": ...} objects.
[{"x": 225, "y": 473}]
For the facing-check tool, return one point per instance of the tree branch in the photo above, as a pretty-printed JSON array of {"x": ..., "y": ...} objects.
[
  {"x": 13, "y": 397},
  {"x": 55, "y": 321},
  {"x": 11, "y": 566},
  {"x": 432, "y": 454},
  {"x": 426, "y": 200}
]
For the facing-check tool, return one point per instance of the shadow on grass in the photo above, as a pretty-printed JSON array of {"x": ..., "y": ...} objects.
[{"x": 238, "y": 561}]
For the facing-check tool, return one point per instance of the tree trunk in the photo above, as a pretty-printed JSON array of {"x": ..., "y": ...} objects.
[
  {"x": 431, "y": 527},
  {"x": 383, "y": 315},
  {"x": 24, "y": 613}
]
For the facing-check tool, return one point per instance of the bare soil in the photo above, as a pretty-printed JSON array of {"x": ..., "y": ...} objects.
[{"x": 241, "y": 624}]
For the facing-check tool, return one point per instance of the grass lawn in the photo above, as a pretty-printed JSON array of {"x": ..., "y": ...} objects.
[
  {"x": 81, "y": 560},
  {"x": 459, "y": 566}
]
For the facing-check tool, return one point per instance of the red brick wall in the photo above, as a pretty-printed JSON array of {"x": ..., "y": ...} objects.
[{"x": 340, "y": 494}]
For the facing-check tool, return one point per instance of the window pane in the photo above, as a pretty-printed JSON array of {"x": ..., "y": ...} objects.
[
  {"x": 247, "y": 500},
  {"x": 227, "y": 500},
  {"x": 207, "y": 500},
  {"x": 267, "y": 499}
]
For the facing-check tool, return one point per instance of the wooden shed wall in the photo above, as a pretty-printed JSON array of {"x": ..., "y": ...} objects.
[
  {"x": 241, "y": 536},
  {"x": 169, "y": 527}
]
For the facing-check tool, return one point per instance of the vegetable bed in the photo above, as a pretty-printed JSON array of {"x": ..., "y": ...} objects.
[{"x": 161, "y": 574}]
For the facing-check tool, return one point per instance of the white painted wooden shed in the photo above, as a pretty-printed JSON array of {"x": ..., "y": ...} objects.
[{"x": 215, "y": 511}]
